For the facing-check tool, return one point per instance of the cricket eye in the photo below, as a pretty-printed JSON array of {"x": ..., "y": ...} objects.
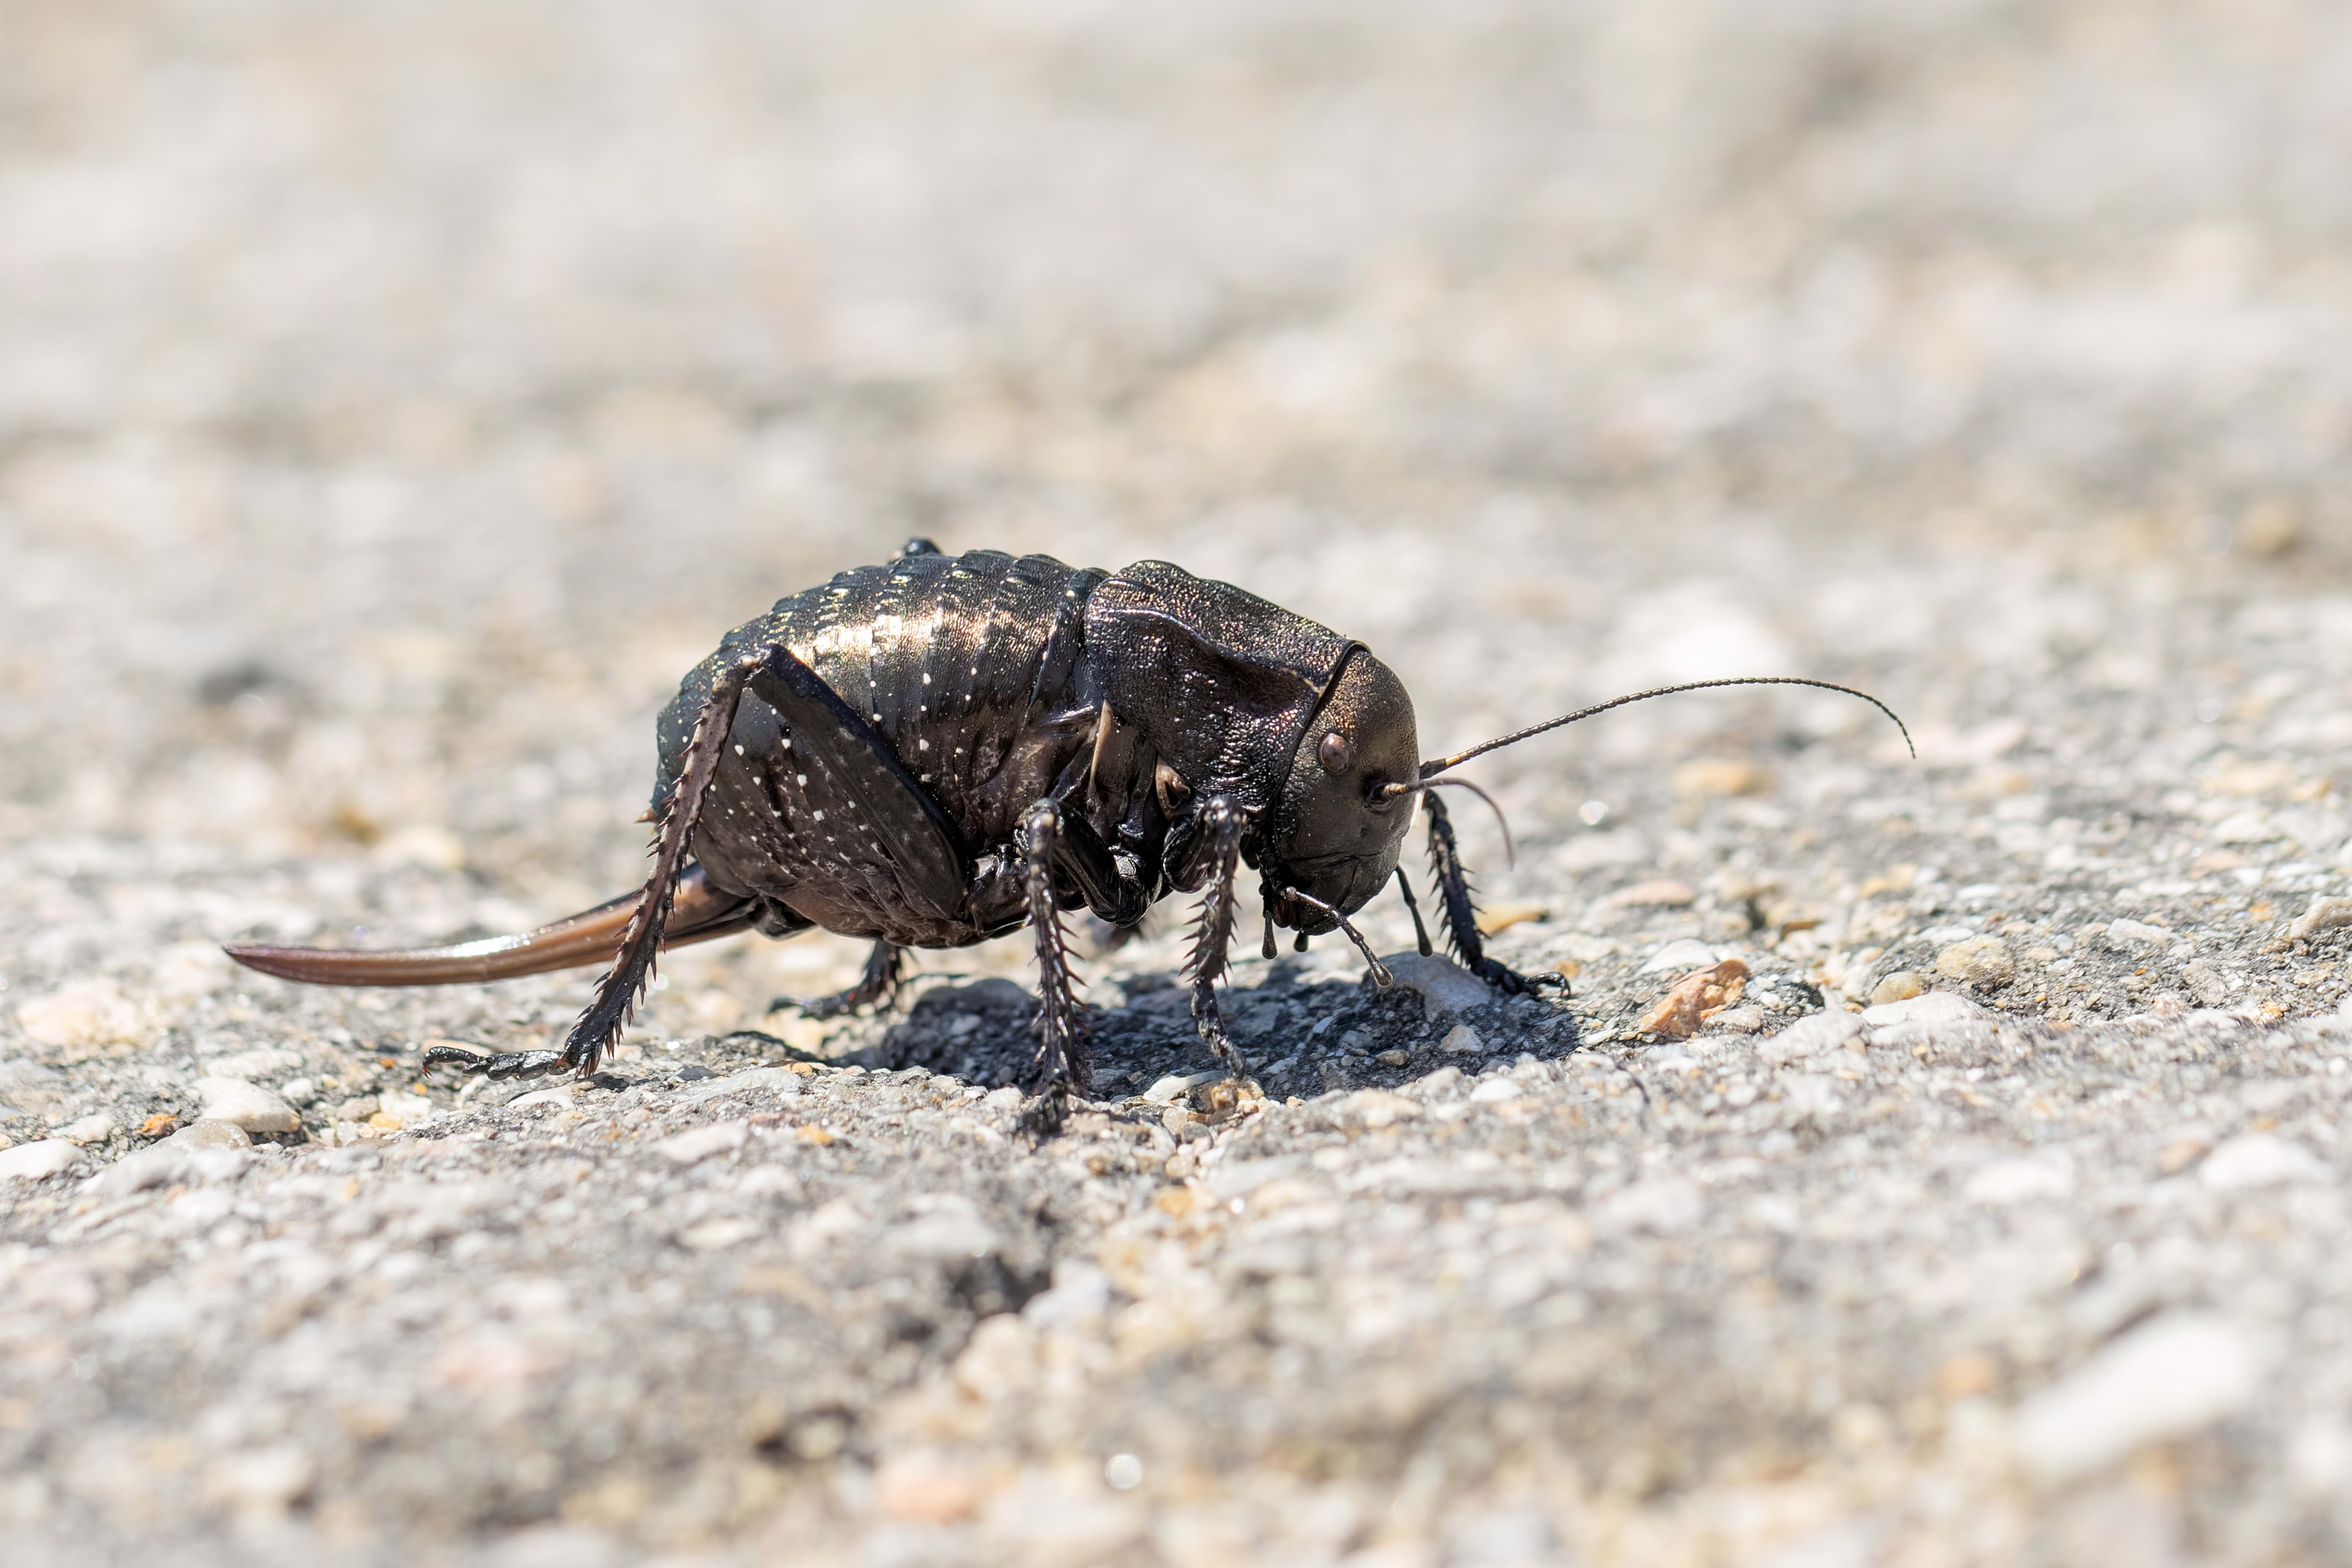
[{"x": 1335, "y": 753}]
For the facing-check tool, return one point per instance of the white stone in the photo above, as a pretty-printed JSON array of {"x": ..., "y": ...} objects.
[
  {"x": 1445, "y": 986},
  {"x": 1811, "y": 1035},
  {"x": 1495, "y": 1089},
  {"x": 1176, "y": 1085},
  {"x": 717, "y": 1235},
  {"x": 267, "y": 1481},
  {"x": 1935, "y": 1008},
  {"x": 2247, "y": 827},
  {"x": 253, "y": 1064},
  {"x": 2022, "y": 1180},
  {"x": 92, "y": 1129},
  {"x": 2121, "y": 931},
  {"x": 206, "y": 1133},
  {"x": 781, "y": 1082},
  {"x": 699, "y": 1143},
  {"x": 245, "y": 1105},
  {"x": 408, "y": 1110},
  {"x": 1666, "y": 1204},
  {"x": 948, "y": 1226},
  {"x": 199, "y": 1151},
  {"x": 2326, "y": 914},
  {"x": 39, "y": 1160},
  {"x": 1685, "y": 953},
  {"x": 2258, "y": 1160},
  {"x": 2171, "y": 1376},
  {"x": 1081, "y": 1295},
  {"x": 1462, "y": 1040}
]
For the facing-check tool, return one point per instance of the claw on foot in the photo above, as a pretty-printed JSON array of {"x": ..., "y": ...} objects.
[
  {"x": 499, "y": 1065},
  {"x": 1511, "y": 983},
  {"x": 1049, "y": 1113}
]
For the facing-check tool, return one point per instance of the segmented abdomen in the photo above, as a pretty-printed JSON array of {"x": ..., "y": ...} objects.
[{"x": 968, "y": 666}]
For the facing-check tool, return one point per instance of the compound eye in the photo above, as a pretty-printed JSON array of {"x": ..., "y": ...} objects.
[{"x": 1335, "y": 753}]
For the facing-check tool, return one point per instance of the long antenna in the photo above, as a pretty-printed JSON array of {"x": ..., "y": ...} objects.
[{"x": 1439, "y": 765}]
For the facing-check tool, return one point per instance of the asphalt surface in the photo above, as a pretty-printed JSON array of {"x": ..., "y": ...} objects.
[{"x": 395, "y": 401}]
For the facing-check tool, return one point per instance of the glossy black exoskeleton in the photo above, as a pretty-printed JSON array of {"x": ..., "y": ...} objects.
[{"x": 946, "y": 748}]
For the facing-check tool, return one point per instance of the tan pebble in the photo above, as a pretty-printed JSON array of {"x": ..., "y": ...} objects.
[
  {"x": 1697, "y": 996},
  {"x": 1662, "y": 893},
  {"x": 1393, "y": 1059},
  {"x": 1969, "y": 1375},
  {"x": 84, "y": 1015},
  {"x": 1503, "y": 917},
  {"x": 927, "y": 1488},
  {"x": 1898, "y": 987},
  {"x": 1981, "y": 961},
  {"x": 1173, "y": 1200},
  {"x": 161, "y": 1124},
  {"x": 1894, "y": 879},
  {"x": 813, "y": 1134},
  {"x": 1719, "y": 776},
  {"x": 2182, "y": 1153}
]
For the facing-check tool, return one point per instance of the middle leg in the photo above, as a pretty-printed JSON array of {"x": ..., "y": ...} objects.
[
  {"x": 1064, "y": 1063},
  {"x": 886, "y": 971},
  {"x": 1212, "y": 931}
]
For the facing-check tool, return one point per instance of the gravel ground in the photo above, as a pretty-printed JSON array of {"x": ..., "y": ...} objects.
[{"x": 397, "y": 399}]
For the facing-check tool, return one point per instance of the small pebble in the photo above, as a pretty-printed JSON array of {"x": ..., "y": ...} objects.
[
  {"x": 1662, "y": 893},
  {"x": 1683, "y": 953},
  {"x": 1820, "y": 1031},
  {"x": 92, "y": 1129},
  {"x": 2326, "y": 914},
  {"x": 39, "y": 1160},
  {"x": 1982, "y": 961},
  {"x": 1462, "y": 1040},
  {"x": 252, "y": 1064},
  {"x": 1503, "y": 917},
  {"x": 2258, "y": 1160},
  {"x": 247, "y": 1105},
  {"x": 208, "y": 1133},
  {"x": 2168, "y": 1378},
  {"x": 1695, "y": 999},
  {"x": 701, "y": 1143},
  {"x": 1898, "y": 987},
  {"x": 1931, "y": 1008},
  {"x": 395, "y": 1112},
  {"x": 1446, "y": 987}
]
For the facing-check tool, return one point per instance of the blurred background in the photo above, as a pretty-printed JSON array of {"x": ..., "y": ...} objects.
[{"x": 397, "y": 398}]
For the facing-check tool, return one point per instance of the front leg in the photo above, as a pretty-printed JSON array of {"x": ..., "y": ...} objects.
[
  {"x": 1064, "y": 1063},
  {"x": 1218, "y": 848},
  {"x": 1459, "y": 914}
]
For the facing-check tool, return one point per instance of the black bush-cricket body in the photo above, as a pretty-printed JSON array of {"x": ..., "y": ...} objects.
[
  {"x": 942, "y": 750},
  {"x": 938, "y": 750}
]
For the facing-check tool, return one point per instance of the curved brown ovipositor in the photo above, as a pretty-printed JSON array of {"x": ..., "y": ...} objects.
[{"x": 591, "y": 937}]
